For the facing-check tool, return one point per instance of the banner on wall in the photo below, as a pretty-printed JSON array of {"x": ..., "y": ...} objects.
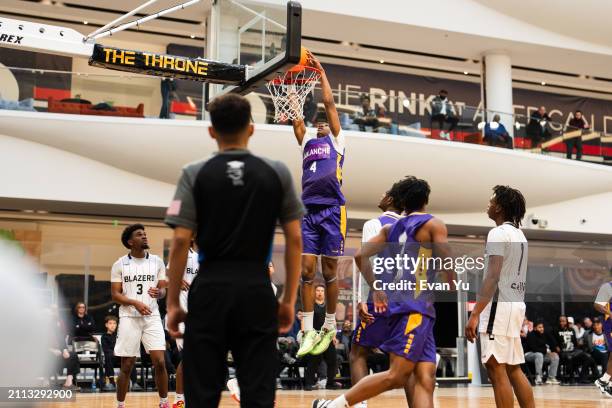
[{"x": 390, "y": 89}]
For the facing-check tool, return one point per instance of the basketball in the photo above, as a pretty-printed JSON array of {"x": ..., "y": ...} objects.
[{"x": 305, "y": 60}]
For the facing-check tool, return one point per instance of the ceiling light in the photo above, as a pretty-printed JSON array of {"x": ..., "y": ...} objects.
[
  {"x": 85, "y": 22},
  {"x": 192, "y": 36},
  {"x": 465, "y": 72},
  {"x": 382, "y": 61},
  {"x": 543, "y": 83},
  {"x": 345, "y": 43}
]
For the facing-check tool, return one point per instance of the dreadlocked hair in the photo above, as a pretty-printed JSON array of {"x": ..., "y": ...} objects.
[
  {"x": 410, "y": 194},
  {"x": 511, "y": 202}
]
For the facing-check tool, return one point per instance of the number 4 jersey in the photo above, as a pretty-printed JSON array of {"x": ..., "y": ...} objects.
[
  {"x": 323, "y": 158},
  {"x": 137, "y": 276}
]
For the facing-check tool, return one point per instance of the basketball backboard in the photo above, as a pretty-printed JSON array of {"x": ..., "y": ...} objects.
[{"x": 265, "y": 38}]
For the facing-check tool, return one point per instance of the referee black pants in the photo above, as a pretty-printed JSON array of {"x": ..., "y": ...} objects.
[{"x": 238, "y": 316}]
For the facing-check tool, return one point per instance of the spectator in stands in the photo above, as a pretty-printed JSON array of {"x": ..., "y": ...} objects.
[
  {"x": 344, "y": 339},
  {"x": 578, "y": 330},
  {"x": 538, "y": 128},
  {"x": 367, "y": 117},
  {"x": 442, "y": 111},
  {"x": 587, "y": 323},
  {"x": 168, "y": 93},
  {"x": 526, "y": 328},
  {"x": 596, "y": 345},
  {"x": 539, "y": 346},
  {"x": 108, "y": 340},
  {"x": 570, "y": 354},
  {"x": 310, "y": 110},
  {"x": 577, "y": 122},
  {"x": 495, "y": 134},
  {"x": 59, "y": 348},
  {"x": 329, "y": 356},
  {"x": 83, "y": 324}
]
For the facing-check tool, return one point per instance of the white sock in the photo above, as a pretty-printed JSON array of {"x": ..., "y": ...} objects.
[
  {"x": 120, "y": 404},
  {"x": 362, "y": 404},
  {"x": 307, "y": 318},
  {"x": 330, "y": 321},
  {"x": 179, "y": 397},
  {"x": 605, "y": 378},
  {"x": 339, "y": 402},
  {"x": 163, "y": 400}
]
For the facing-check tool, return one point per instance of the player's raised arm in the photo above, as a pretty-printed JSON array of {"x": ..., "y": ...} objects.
[
  {"x": 299, "y": 130},
  {"x": 328, "y": 100}
]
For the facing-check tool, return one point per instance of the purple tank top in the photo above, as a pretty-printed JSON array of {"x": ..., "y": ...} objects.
[
  {"x": 402, "y": 241},
  {"x": 322, "y": 173},
  {"x": 386, "y": 219}
]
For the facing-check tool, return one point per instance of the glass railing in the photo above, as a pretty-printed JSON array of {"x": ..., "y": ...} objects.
[
  {"x": 425, "y": 117},
  {"x": 102, "y": 94},
  {"x": 139, "y": 96}
]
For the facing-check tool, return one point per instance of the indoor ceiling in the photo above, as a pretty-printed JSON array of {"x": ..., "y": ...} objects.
[
  {"x": 362, "y": 41},
  {"x": 588, "y": 20}
]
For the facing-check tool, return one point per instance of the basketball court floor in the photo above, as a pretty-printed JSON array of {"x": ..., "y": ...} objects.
[{"x": 459, "y": 397}]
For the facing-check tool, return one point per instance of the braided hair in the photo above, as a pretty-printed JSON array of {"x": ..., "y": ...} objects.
[
  {"x": 511, "y": 202},
  {"x": 410, "y": 194}
]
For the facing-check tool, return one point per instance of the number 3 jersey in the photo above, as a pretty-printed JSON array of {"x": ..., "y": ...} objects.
[
  {"x": 137, "y": 276},
  {"x": 323, "y": 158},
  {"x": 505, "y": 313}
]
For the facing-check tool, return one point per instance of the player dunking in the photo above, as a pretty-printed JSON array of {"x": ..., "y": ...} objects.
[
  {"x": 191, "y": 270},
  {"x": 408, "y": 333},
  {"x": 138, "y": 279},
  {"x": 324, "y": 225},
  {"x": 602, "y": 305},
  {"x": 500, "y": 309}
]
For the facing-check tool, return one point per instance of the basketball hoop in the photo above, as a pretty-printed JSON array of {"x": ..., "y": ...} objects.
[{"x": 289, "y": 91}]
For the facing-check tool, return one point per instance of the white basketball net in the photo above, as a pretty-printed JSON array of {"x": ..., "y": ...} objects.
[{"x": 289, "y": 91}]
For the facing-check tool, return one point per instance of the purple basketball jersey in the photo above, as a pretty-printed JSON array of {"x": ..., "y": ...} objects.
[
  {"x": 322, "y": 173},
  {"x": 402, "y": 241},
  {"x": 388, "y": 218}
]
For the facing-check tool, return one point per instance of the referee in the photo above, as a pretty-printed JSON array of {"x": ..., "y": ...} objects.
[{"x": 231, "y": 202}]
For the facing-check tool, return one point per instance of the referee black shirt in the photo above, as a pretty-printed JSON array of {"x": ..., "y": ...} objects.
[{"x": 232, "y": 201}]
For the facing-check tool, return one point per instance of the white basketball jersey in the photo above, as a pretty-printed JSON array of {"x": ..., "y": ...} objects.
[
  {"x": 372, "y": 228},
  {"x": 191, "y": 270},
  {"x": 505, "y": 313},
  {"x": 137, "y": 276}
]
